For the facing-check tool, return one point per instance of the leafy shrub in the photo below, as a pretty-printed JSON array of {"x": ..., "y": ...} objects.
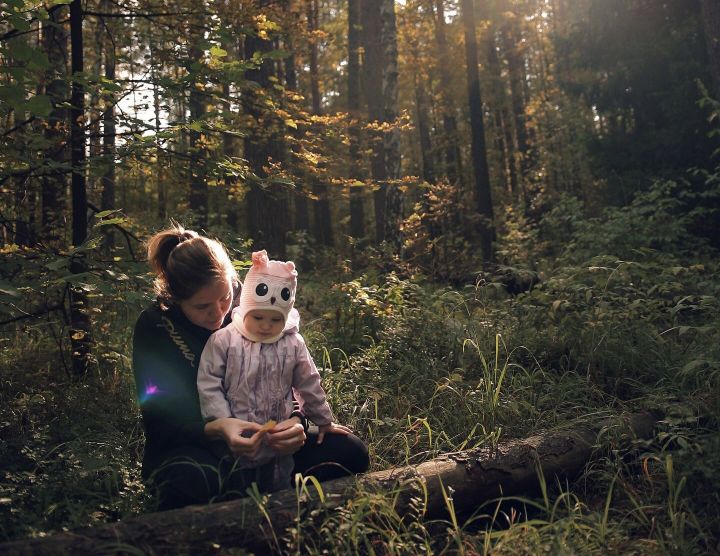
[
  {"x": 663, "y": 218},
  {"x": 436, "y": 240},
  {"x": 70, "y": 450}
]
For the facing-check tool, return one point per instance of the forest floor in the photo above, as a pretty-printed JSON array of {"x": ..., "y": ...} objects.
[{"x": 418, "y": 369}]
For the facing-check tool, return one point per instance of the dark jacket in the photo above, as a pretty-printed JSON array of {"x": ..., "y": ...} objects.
[{"x": 166, "y": 354}]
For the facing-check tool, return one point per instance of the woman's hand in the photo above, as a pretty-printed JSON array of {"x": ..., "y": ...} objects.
[
  {"x": 331, "y": 428},
  {"x": 287, "y": 437},
  {"x": 235, "y": 434}
]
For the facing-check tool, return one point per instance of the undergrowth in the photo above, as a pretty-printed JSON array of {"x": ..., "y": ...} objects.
[{"x": 626, "y": 317}]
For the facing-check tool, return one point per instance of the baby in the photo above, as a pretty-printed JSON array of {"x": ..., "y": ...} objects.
[{"x": 251, "y": 368}]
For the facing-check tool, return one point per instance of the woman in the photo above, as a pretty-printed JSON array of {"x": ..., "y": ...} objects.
[{"x": 191, "y": 461}]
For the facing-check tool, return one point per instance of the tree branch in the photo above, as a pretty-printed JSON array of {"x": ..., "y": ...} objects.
[
  {"x": 144, "y": 15},
  {"x": 126, "y": 233},
  {"x": 18, "y": 126},
  {"x": 35, "y": 314}
]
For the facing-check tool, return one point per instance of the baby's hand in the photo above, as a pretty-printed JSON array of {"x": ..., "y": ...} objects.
[{"x": 331, "y": 428}]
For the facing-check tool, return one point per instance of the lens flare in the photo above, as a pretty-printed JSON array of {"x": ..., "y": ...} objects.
[{"x": 151, "y": 390}]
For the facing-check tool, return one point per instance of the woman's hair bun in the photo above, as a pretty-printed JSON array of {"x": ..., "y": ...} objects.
[
  {"x": 184, "y": 261},
  {"x": 184, "y": 234}
]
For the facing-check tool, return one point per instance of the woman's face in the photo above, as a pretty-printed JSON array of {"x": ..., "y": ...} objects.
[{"x": 208, "y": 307}]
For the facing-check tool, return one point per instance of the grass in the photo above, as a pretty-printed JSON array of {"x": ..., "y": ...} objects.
[
  {"x": 64, "y": 467},
  {"x": 419, "y": 370},
  {"x": 70, "y": 451}
]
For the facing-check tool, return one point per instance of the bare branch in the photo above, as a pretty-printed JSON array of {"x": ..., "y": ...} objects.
[{"x": 35, "y": 314}]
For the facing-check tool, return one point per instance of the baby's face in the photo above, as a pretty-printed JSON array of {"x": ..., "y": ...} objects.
[{"x": 264, "y": 323}]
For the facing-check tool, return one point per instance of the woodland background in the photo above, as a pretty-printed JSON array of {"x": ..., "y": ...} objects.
[{"x": 505, "y": 215}]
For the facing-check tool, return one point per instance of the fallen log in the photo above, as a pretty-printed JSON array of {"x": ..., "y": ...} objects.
[{"x": 475, "y": 476}]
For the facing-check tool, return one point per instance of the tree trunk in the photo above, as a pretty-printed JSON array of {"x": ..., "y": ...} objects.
[
  {"x": 453, "y": 162},
  {"x": 423, "y": 127},
  {"x": 229, "y": 206},
  {"x": 373, "y": 75},
  {"x": 95, "y": 140},
  {"x": 483, "y": 198},
  {"x": 503, "y": 129},
  {"x": 512, "y": 42},
  {"x": 266, "y": 206},
  {"x": 711, "y": 24},
  {"x": 312, "y": 22},
  {"x": 108, "y": 118},
  {"x": 475, "y": 476},
  {"x": 77, "y": 128},
  {"x": 80, "y": 325},
  {"x": 302, "y": 210},
  {"x": 233, "y": 206},
  {"x": 357, "y": 208},
  {"x": 426, "y": 154},
  {"x": 159, "y": 155},
  {"x": 322, "y": 229},
  {"x": 230, "y": 152},
  {"x": 420, "y": 78},
  {"x": 391, "y": 138},
  {"x": 22, "y": 232},
  {"x": 54, "y": 183},
  {"x": 24, "y": 212},
  {"x": 300, "y": 196},
  {"x": 199, "y": 194}
]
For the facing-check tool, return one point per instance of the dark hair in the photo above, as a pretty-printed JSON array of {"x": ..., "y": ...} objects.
[{"x": 185, "y": 262}]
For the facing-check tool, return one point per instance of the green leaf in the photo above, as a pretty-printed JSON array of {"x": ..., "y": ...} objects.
[
  {"x": 12, "y": 94},
  {"x": 111, "y": 221},
  {"x": 33, "y": 57},
  {"x": 109, "y": 86},
  {"x": 18, "y": 22},
  {"x": 57, "y": 264},
  {"x": 241, "y": 265},
  {"x": 217, "y": 52},
  {"x": 22, "y": 52},
  {"x": 40, "y": 105}
]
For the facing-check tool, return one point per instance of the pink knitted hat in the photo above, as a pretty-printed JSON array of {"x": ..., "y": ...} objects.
[{"x": 268, "y": 285}]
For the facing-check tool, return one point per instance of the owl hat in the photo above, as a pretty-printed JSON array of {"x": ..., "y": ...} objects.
[{"x": 268, "y": 285}]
